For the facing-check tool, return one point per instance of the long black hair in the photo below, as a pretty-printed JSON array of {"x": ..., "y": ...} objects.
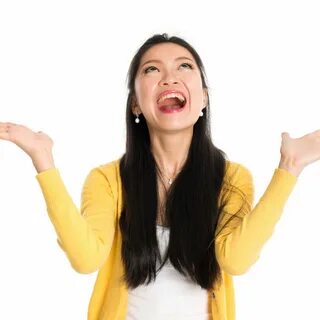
[{"x": 191, "y": 210}]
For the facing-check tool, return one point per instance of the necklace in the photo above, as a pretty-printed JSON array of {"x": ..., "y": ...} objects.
[{"x": 170, "y": 179}]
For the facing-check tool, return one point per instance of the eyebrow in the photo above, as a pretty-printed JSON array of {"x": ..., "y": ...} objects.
[{"x": 159, "y": 61}]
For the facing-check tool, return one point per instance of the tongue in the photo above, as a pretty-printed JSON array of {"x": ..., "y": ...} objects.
[{"x": 171, "y": 103}]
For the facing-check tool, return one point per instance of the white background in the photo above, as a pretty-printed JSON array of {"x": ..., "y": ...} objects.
[{"x": 63, "y": 67}]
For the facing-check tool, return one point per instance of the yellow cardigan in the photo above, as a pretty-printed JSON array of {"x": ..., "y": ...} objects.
[{"x": 91, "y": 240}]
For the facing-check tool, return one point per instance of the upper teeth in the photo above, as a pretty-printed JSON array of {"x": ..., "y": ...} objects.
[{"x": 172, "y": 95}]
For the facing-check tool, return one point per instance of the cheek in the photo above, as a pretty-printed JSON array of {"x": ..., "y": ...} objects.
[
  {"x": 144, "y": 91},
  {"x": 195, "y": 81},
  {"x": 141, "y": 90},
  {"x": 147, "y": 88},
  {"x": 197, "y": 101},
  {"x": 196, "y": 92}
]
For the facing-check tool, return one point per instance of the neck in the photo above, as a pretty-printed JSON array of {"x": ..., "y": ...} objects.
[{"x": 170, "y": 150}]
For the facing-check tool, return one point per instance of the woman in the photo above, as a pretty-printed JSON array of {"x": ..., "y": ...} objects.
[{"x": 169, "y": 223}]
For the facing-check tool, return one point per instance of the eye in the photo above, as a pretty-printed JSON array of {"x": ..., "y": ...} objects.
[
  {"x": 186, "y": 64},
  {"x": 147, "y": 69}
]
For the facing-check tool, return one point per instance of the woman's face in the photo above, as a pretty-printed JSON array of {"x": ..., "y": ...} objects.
[{"x": 175, "y": 69}]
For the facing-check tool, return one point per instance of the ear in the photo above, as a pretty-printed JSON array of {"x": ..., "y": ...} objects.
[
  {"x": 134, "y": 106},
  {"x": 205, "y": 97}
]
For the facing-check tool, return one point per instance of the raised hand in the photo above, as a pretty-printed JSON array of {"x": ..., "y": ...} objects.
[
  {"x": 26, "y": 139},
  {"x": 301, "y": 151},
  {"x": 37, "y": 145}
]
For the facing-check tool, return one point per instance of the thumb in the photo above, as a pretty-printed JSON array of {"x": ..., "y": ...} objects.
[{"x": 285, "y": 135}]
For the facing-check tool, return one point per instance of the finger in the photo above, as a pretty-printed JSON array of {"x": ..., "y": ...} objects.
[
  {"x": 8, "y": 124},
  {"x": 317, "y": 132},
  {"x": 4, "y": 129},
  {"x": 4, "y": 135}
]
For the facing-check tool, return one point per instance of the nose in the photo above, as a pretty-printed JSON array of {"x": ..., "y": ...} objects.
[
  {"x": 168, "y": 79},
  {"x": 167, "y": 82}
]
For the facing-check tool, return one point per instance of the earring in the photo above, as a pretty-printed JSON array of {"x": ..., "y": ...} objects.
[
  {"x": 201, "y": 113},
  {"x": 137, "y": 120}
]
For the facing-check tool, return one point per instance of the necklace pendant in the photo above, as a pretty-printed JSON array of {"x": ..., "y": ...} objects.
[{"x": 170, "y": 181}]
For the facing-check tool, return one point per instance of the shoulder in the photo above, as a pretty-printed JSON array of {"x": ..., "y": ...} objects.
[
  {"x": 239, "y": 179},
  {"x": 237, "y": 172},
  {"x": 108, "y": 168},
  {"x": 105, "y": 173}
]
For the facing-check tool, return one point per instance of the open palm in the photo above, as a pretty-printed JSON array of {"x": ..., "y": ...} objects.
[
  {"x": 26, "y": 139},
  {"x": 304, "y": 150}
]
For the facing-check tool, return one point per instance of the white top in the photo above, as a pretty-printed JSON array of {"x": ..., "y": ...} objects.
[{"x": 170, "y": 296}]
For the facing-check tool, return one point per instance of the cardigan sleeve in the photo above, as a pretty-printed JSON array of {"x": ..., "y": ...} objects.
[
  {"x": 84, "y": 235},
  {"x": 242, "y": 230}
]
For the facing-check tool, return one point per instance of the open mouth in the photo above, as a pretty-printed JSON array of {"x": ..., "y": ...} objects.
[{"x": 172, "y": 104}]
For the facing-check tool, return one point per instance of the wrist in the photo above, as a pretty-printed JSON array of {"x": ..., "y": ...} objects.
[
  {"x": 42, "y": 160},
  {"x": 289, "y": 164}
]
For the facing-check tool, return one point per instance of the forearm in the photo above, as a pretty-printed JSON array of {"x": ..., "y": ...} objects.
[
  {"x": 43, "y": 160},
  {"x": 290, "y": 165},
  {"x": 86, "y": 237},
  {"x": 240, "y": 242}
]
